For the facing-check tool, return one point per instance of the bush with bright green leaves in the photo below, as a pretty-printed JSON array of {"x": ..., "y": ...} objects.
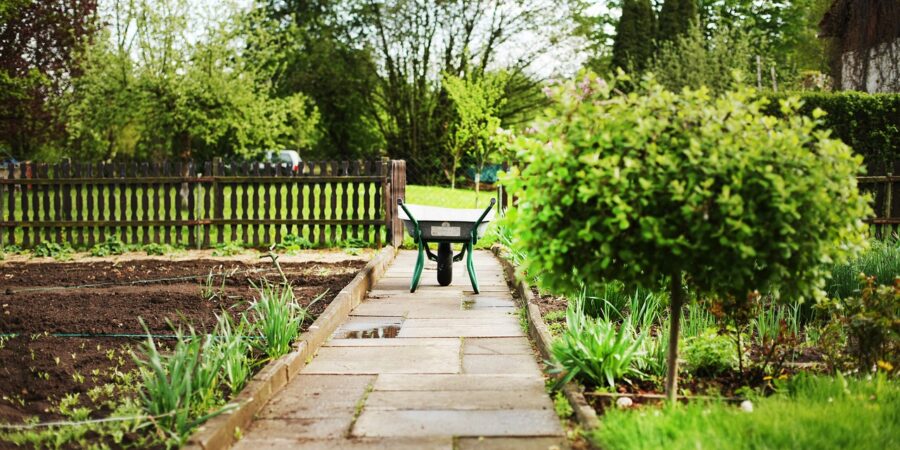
[
  {"x": 660, "y": 184},
  {"x": 53, "y": 250},
  {"x": 112, "y": 246},
  {"x": 710, "y": 354}
]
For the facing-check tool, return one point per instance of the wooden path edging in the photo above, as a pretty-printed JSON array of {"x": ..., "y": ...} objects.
[
  {"x": 220, "y": 431},
  {"x": 540, "y": 334}
]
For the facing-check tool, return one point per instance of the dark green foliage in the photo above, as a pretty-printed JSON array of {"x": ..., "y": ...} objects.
[
  {"x": 317, "y": 60},
  {"x": 112, "y": 246},
  {"x": 869, "y": 123},
  {"x": 52, "y": 249},
  {"x": 633, "y": 46},
  {"x": 675, "y": 18},
  {"x": 38, "y": 45},
  {"x": 709, "y": 354}
]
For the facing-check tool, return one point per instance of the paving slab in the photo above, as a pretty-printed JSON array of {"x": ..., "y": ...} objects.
[
  {"x": 457, "y": 423},
  {"x": 318, "y": 396},
  {"x": 497, "y": 346},
  {"x": 430, "y": 443},
  {"x": 394, "y": 342},
  {"x": 457, "y": 400},
  {"x": 518, "y": 364},
  {"x": 374, "y": 360},
  {"x": 499, "y": 330},
  {"x": 461, "y": 382},
  {"x": 317, "y": 428},
  {"x": 508, "y": 443}
]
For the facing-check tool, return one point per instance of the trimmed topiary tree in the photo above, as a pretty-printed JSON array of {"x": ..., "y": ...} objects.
[
  {"x": 634, "y": 45},
  {"x": 705, "y": 191}
]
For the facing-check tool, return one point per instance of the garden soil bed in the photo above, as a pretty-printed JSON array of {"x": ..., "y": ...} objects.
[{"x": 40, "y": 300}]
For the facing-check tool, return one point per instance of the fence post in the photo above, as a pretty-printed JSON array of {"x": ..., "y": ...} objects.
[{"x": 396, "y": 184}]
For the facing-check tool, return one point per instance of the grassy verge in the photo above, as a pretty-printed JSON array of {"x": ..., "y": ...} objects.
[{"x": 808, "y": 412}]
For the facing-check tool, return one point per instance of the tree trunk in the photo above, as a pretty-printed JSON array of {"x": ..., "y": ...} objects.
[
  {"x": 477, "y": 186},
  {"x": 674, "y": 330}
]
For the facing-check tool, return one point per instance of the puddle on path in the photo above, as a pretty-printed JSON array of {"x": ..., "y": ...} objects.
[
  {"x": 369, "y": 328},
  {"x": 373, "y": 333}
]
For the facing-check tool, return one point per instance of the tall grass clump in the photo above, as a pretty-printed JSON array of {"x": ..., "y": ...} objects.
[
  {"x": 881, "y": 260},
  {"x": 278, "y": 317},
  {"x": 595, "y": 350},
  {"x": 180, "y": 385},
  {"x": 232, "y": 347}
]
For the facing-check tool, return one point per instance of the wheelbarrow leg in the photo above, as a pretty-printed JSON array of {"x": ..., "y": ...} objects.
[
  {"x": 420, "y": 264},
  {"x": 470, "y": 267}
]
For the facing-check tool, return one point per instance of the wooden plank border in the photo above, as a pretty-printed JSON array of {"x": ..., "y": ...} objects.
[{"x": 219, "y": 432}]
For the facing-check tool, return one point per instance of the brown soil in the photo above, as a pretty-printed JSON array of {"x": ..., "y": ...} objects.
[{"x": 38, "y": 369}]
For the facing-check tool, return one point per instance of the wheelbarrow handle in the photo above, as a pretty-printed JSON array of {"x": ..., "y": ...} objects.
[
  {"x": 486, "y": 211},
  {"x": 413, "y": 219}
]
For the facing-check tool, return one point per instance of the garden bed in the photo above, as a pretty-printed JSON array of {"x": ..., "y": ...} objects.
[{"x": 50, "y": 317}]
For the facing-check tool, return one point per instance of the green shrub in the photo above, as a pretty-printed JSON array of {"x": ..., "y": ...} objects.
[
  {"x": 709, "y": 354},
  {"x": 293, "y": 243},
  {"x": 228, "y": 249},
  {"x": 705, "y": 189},
  {"x": 869, "y": 123},
  {"x": 112, "y": 246},
  {"x": 53, "y": 250},
  {"x": 867, "y": 326},
  {"x": 157, "y": 249}
]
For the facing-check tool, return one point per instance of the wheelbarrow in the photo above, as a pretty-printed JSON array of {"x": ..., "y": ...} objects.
[{"x": 444, "y": 226}]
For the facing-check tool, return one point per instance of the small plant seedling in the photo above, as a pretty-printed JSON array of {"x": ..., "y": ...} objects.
[{"x": 561, "y": 406}]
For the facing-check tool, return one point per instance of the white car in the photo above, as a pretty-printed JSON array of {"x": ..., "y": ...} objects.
[{"x": 287, "y": 158}]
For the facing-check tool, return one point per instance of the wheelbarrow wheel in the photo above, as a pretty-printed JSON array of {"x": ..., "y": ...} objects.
[{"x": 445, "y": 264}]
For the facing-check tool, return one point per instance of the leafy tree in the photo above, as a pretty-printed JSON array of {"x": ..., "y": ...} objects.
[
  {"x": 316, "y": 55},
  {"x": 705, "y": 191},
  {"x": 168, "y": 97},
  {"x": 38, "y": 40},
  {"x": 633, "y": 45},
  {"x": 477, "y": 102},
  {"x": 693, "y": 61},
  {"x": 676, "y": 18},
  {"x": 415, "y": 42}
]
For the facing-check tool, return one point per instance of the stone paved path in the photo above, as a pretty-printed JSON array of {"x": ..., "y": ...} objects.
[{"x": 458, "y": 374}]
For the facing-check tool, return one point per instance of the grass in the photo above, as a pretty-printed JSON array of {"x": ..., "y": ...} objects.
[
  {"x": 448, "y": 198},
  {"x": 808, "y": 412},
  {"x": 882, "y": 260}
]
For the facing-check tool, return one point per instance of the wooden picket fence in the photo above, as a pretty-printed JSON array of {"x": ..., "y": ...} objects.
[
  {"x": 885, "y": 203},
  {"x": 200, "y": 205}
]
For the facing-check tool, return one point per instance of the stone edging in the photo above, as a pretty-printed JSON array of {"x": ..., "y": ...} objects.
[
  {"x": 539, "y": 332},
  {"x": 219, "y": 432}
]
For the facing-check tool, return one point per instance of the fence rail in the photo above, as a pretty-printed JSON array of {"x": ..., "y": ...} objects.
[
  {"x": 198, "y": 205},
  {"x": 885, "y": 203}
]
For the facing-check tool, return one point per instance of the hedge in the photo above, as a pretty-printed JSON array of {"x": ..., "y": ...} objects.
[{"x": 869, "y": 123}]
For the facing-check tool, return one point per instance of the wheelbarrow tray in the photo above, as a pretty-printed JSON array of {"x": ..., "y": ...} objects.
[{"x": 445, "y": 224}]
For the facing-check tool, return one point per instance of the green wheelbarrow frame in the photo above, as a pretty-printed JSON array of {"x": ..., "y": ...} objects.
[{"x": 468, "y": 242}]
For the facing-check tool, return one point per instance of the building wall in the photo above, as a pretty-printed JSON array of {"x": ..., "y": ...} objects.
[{"x": 881, "y": 74}]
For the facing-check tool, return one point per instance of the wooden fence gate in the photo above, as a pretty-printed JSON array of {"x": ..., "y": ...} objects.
[{"x": 200, "y": 205}]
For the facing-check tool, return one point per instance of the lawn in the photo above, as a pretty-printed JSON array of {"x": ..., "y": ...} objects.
[{"x": 809, "y": 413}]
